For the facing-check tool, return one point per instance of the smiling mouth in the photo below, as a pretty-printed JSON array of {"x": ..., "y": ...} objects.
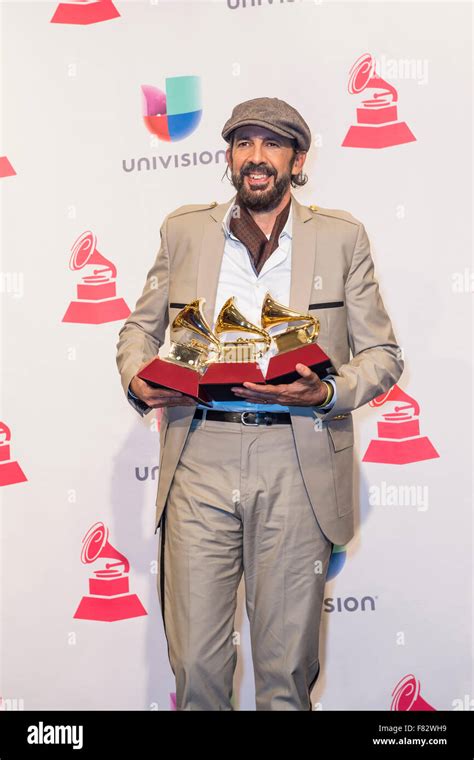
[{"x": 258, "y": 179}]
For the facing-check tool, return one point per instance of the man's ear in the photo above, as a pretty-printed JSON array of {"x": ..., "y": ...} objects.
[
  {"x": 228, "y": 156},
  {"x": 300, "y": 158}
]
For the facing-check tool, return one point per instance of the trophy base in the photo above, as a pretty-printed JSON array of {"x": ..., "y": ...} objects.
[
  {"x": 219, "y": 378},
  {"x": 11, "y": 473},
  {"x": 6, "y": 169},
  {"x": 110, "y": 610},
  {"x": 400, "y": 452},
  {"x": 85, "y": 13},
  {"x": 160, "y": 373},
  {"x": 96, "y": 312},
  {"x": 281, "y": 368},
  {"x": 383, "y": 136}
]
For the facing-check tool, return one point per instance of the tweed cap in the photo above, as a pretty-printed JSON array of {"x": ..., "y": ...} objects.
[{"x": 273, "y": 113}]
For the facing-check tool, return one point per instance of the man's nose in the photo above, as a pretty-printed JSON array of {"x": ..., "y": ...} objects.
[{"x": 256, "y": 154}]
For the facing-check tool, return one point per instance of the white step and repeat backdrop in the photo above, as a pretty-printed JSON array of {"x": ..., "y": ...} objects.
[{"x": 85, "y": 186}]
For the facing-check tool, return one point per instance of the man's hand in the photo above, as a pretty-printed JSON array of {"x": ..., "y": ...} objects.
[
  {"x": 307, "y": 391},
  {"x": 158, "y": 397}
]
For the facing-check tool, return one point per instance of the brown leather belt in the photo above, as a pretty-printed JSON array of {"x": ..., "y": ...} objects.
[{"x": 246, "y": 417}]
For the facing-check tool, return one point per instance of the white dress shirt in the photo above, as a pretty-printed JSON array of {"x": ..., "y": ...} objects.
[{"x": 239, "y": 278}]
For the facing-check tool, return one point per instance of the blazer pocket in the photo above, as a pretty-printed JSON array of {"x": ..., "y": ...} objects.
[
  {"x": 341, "y": 431},
  {"x": 177, "y": 305},
  {"x": 326, "y": 305},
  {"x": 341, "y": 451}
]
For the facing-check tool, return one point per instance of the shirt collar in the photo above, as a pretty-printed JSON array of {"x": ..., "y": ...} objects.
[{"x": 287, "y": 229}]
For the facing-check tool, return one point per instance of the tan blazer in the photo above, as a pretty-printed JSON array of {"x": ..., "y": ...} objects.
[{"x": 332, "y": 276}]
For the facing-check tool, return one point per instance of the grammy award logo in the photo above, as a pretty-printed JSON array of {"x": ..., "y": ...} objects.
[
  {"x": 377, "y": 117},
  {"x": 84, "y": 12},
  {"x": 10, "y": 471},
  {"x": 406, "y": 696},
  {"x": 399, "y": 440},
  {"x": 109, "y": 598},
  {"x": 96, "y": 294},
  {"x": 6, "y": 169}
]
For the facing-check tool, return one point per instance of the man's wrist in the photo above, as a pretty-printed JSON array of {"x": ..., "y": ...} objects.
[
  {"x": 327, "y": 403},
  {"x": 329, "y": 394},
  {"x": 132, "y": 394}
]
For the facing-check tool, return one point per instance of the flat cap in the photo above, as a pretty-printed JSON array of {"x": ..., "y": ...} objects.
[{"x": 272, "y": 113}]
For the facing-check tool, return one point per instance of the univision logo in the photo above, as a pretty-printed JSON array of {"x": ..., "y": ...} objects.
[
  {"x": 174, "y": 114},
  {"x": 349, "y": 604},
  {"x": 149, "y": 473}
]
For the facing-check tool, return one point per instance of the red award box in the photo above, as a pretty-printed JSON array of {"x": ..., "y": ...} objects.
[
  {"x": 165, "y": 374},
  {"x": 281, "y": 368},
  {"x": 219, "y": 378}
]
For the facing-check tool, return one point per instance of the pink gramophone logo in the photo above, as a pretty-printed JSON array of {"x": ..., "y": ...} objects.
[
  {"x": 10, "y": 471},
  {"x": 399, "y": 440},
  {"x": 84, "y": 12},
  {"x": 6, "y": 169},
  {"x": 109, "y": 598},
  {"x": 377, "y": 118},
  {"x": 406, "y": 696},
  {"x": 96, "y": 294}
]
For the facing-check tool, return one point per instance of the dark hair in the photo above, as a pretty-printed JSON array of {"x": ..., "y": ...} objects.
[{"x": 297, "y": 180}]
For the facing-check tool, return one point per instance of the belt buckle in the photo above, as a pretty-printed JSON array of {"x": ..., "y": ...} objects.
[
  {"x": 266, "y": 418},
  {"x": 242, "y": 418}
]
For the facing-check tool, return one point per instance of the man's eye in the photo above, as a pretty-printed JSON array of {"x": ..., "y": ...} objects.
[{"x": 240, "y": 143}]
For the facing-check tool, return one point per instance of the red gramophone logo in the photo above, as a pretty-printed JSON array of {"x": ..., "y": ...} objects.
[
  {"x": 377, "y": 118},
  {"x": 406, "y": 696},
  {"x": 84, "y": 12},
  {"x": 399, "y": 440},
  {"x": 10, "y": 471},
  {"x": 109, "y": 598},
  {"x": 6, "y": 169},
  {"x": 96, "y": 294}
]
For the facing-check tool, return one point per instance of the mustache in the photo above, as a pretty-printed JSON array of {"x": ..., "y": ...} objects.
[{"x": 254, "y": 169}]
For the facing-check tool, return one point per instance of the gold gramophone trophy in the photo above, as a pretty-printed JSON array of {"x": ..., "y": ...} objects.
[
  {"x": 181, "y": 370},
  {"x": 237, "y": 358},
  {"x": 206, "y": 371},
  {"x": 295, "y": 344}
]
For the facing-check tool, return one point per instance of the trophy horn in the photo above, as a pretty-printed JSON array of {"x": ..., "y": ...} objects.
[
  {"x": 84, "y": 251},
  {"x": 274, "y": 313},
  {"x": 363, "y": 74},
  {"x": 395, "y": 393},
  {"x": 231, "y": 319},
  {"x": 95, "y": 544},
  {"x": 191, "y": 317},
  {"x": 406, "y": 696}
]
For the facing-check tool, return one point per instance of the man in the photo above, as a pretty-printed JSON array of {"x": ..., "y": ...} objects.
[{"x": 261, "y": 485}]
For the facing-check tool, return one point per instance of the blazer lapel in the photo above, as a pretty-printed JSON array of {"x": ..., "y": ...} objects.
[
  {"x": 303, "y": 252},
  {"x": 210, "y": 258},
  {"x": 303, "y": 257}
]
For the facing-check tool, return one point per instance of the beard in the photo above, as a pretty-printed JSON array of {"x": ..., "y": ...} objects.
[{"x": 261, "y": 199}]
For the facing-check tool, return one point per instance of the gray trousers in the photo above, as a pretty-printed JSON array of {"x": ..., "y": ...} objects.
[{"x": 238, "y": 504}]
